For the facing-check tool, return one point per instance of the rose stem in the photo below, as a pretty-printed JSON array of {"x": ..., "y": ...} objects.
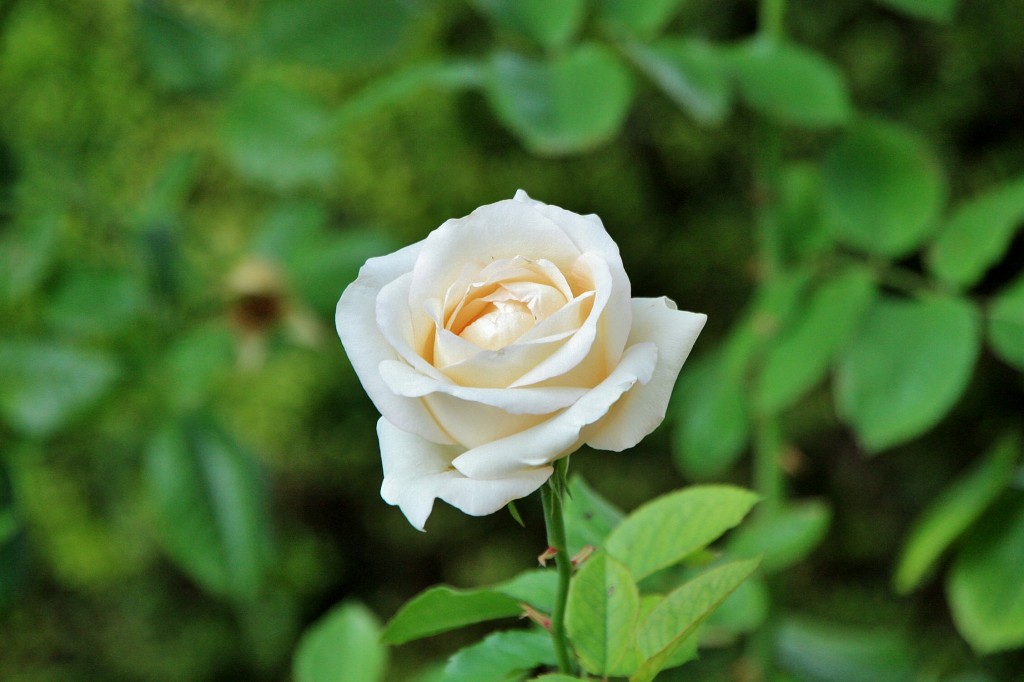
[{"x": 550, "y": 496}]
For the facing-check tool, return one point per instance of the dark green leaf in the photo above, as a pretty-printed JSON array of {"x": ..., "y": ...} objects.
[
  {"x": 441, "y": 608},
  {"x": 784, "y": 538},
  {"x": 742, "y": 611},
  {"x": 13, "y": 543},
  {"x": 790, "y": 83},
  {"x": 279, "y": 137},
  {"x": 27, "y": 248},
  {"x": 906, "y": 368},
  {"x": 884, "y": 189},
  {"x": 601, "y": 615},
  {"x": 642, "y": 17},
  {"x": 984, "y": 587},
  {"x": 953, "y": 512},
  {"x": 978, "y": 234},
  {"x": 694, "y": 74},
  {"x": 342, "y": 645},
  {"x": 569, "y": 104},
  {"x": 589, "y": 518},
  {"x": 801, "y": 225},
  {"x": 45, "y": 385},
  {"x": 211, "y": 507},
  {"x": 1006, "y": 324},
  {"x": 336, "y": 35},
  {"x": 799, "y": 358},
  {"x": 182, "y": 54},
  {"x": 824, "y": 652},
  {"x": 667, "y": 529},
  {"x": 935, "y": 10},
  {"x": 550, "y": 24},
  {"x": 501, "y": 656}
]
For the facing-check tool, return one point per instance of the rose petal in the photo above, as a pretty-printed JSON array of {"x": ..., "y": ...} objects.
[
  {"x": 641, "y": 409},
  {"x": 366, "y": 347},
  {"x": 560, "y": 434},
  {"x": 416, "y": 472},
  {"x": 400, "y": 326}
]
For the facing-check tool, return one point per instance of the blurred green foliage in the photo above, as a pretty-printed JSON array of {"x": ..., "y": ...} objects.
[{"x": 188, "y": 467}]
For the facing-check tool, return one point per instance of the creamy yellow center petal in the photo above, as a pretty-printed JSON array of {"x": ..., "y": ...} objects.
[{"x": 510, "y": 311}]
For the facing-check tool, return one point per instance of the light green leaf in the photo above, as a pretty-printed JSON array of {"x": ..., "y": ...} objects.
[
  {"x": 906, "y": 368},
  {"x": 278, "y": 136},
  {"x": 45, "y": 385},
  {"x": 96, "y": 303},
  {"x": 669, "y": 528},
  {"x": 441, "y": 608},
  {"x": 601, "y": 614},
  {"x": 978, "y": 234},
  {"x": 342, "y": 645},
  {"x": 501, "y": 656},
  {"x": 676, "y": 618},
  {"x": 785, "y": 537},
  {"x": 556, "y": 677},
  {"x": 589, "y": 518},
  {"x": 984, "y": 587},
  {"x": 181, "y": 54},
  {"x": 535, "y": 587},
  {"x": 799, "y": 358},
  {"x": 335, "y": 35},
  {"x": 790, "y": 83},
  {"x": 953, "y": 512},
  {"x": 934, "y": 10},
  {"x": 211, "y": 507},
  {"x": 693, "y": 73},
  {"x": 569, "y": 104},
  {"x": 645, "y": 18},
  {"x": 550, "y": 24},
  {"x": 632, "y": 660},
  {"x": 1006, "y": 324},
  {"x": 825, "y": 652},
  {"x": 27, "y": 247},
  {"x": 884, "y": 189}
]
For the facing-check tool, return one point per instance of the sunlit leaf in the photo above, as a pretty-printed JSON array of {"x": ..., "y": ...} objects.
[
  {"x": 883, "y": 189},
  {"x": 589, "y": 518},
  {"x": 182, "y": 54},
  {"x": 827, "y": 652},
  {"x": 984, "y": 586},
  {"x": 934, "y": 10},
  {"x": 550, "y": 24},
  {"x": 785, "y": 537},
  {"x": 790, "y": 83},
  {"x": 693, "y": 73},
  {"x": 441, "y": 608},
  {"x": 1006, "y": 324},
  {"x": 342, "y": 645},
  {"x": 953, "y": 512},
  {"x": 569, "y": 104},
  {"x": 602, "y": 612},
  {"x": 666, "y": 530},
  {"x": 501, "y": 656},
  {"x": 642, "y": 17},
  {"x": 906, "y": 367}
]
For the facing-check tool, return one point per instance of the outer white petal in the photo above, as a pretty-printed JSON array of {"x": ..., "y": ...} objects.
[
  {"x": 641, "y": 409},
  {"x": 416, "y": 472},
  {"x": 355, "y": 319},
  {"x": 559, "y": 435}
]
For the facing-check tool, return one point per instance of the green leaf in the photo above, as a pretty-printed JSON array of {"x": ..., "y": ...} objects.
[
  {"x": 669, "y": 528},
  {"x": 799, "y": 358},
  {"x": 96, "y": 303},
  {"x": 556, "y": 677},
  {"x": 953, "y": 512},
  {"x": 643, "y": 17},
  {"x": 46, "y": 385},
  {"x": 441, "y": 608},
  {"x": 984, "y": 587},
  {"x": 693, "y": 73},
  {"x": 601, "y": 614},
  {"x": 825, "y": 652},
  {"x": 194, "y": 364},
  {"x": 550, "y": 24},
  {"x": 784, "y": 538},
  {"x": 934, "y": 10},
  {"x": 278, "y": 136},
  {"x": 27, "y": 247},
  {"x": 884, "y": 189},
  {"x": 181, "y": 54},
  {"x": 536, "y": 588},
  {"x": 906, "y": 368},
  {"x": 589, "y": 518},
  {"x": 334, "y": 35},
  {"x": 790, "y": 83},
  {"x": 801, "y": 225},
  {"x": 569, "y": 104},
  {"x": 712, "y": 418},
  {"x": 13, "y": 543},
  {"x": 208, "y": 496},
  {"x": 743, "y": 611},
  {"x": 342, "y": 645},
  {"x": 676, "y": 618},
  {"x": 1006, "y": 324},
  {"x": 502, "y": 656},
  {"x": 978, "y": 234}
]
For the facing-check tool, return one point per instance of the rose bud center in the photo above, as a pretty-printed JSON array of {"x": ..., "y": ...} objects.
[{"x": 511, "y": 310}]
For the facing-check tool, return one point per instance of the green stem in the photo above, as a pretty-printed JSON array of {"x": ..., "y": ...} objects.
[
  {"x": 770, "y": 17},
  {"x": 550, "y": 496},
  {"x": 768, "y": 476}
]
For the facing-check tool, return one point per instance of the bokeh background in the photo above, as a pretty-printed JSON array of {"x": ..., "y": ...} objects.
[{"x": 189, "y": 472}]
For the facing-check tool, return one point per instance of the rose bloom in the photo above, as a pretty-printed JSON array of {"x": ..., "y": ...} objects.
[{"x": 503, "y": 341}]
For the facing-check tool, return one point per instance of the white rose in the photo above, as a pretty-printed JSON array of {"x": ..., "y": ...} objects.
[{"x": 503, "y": 341}]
